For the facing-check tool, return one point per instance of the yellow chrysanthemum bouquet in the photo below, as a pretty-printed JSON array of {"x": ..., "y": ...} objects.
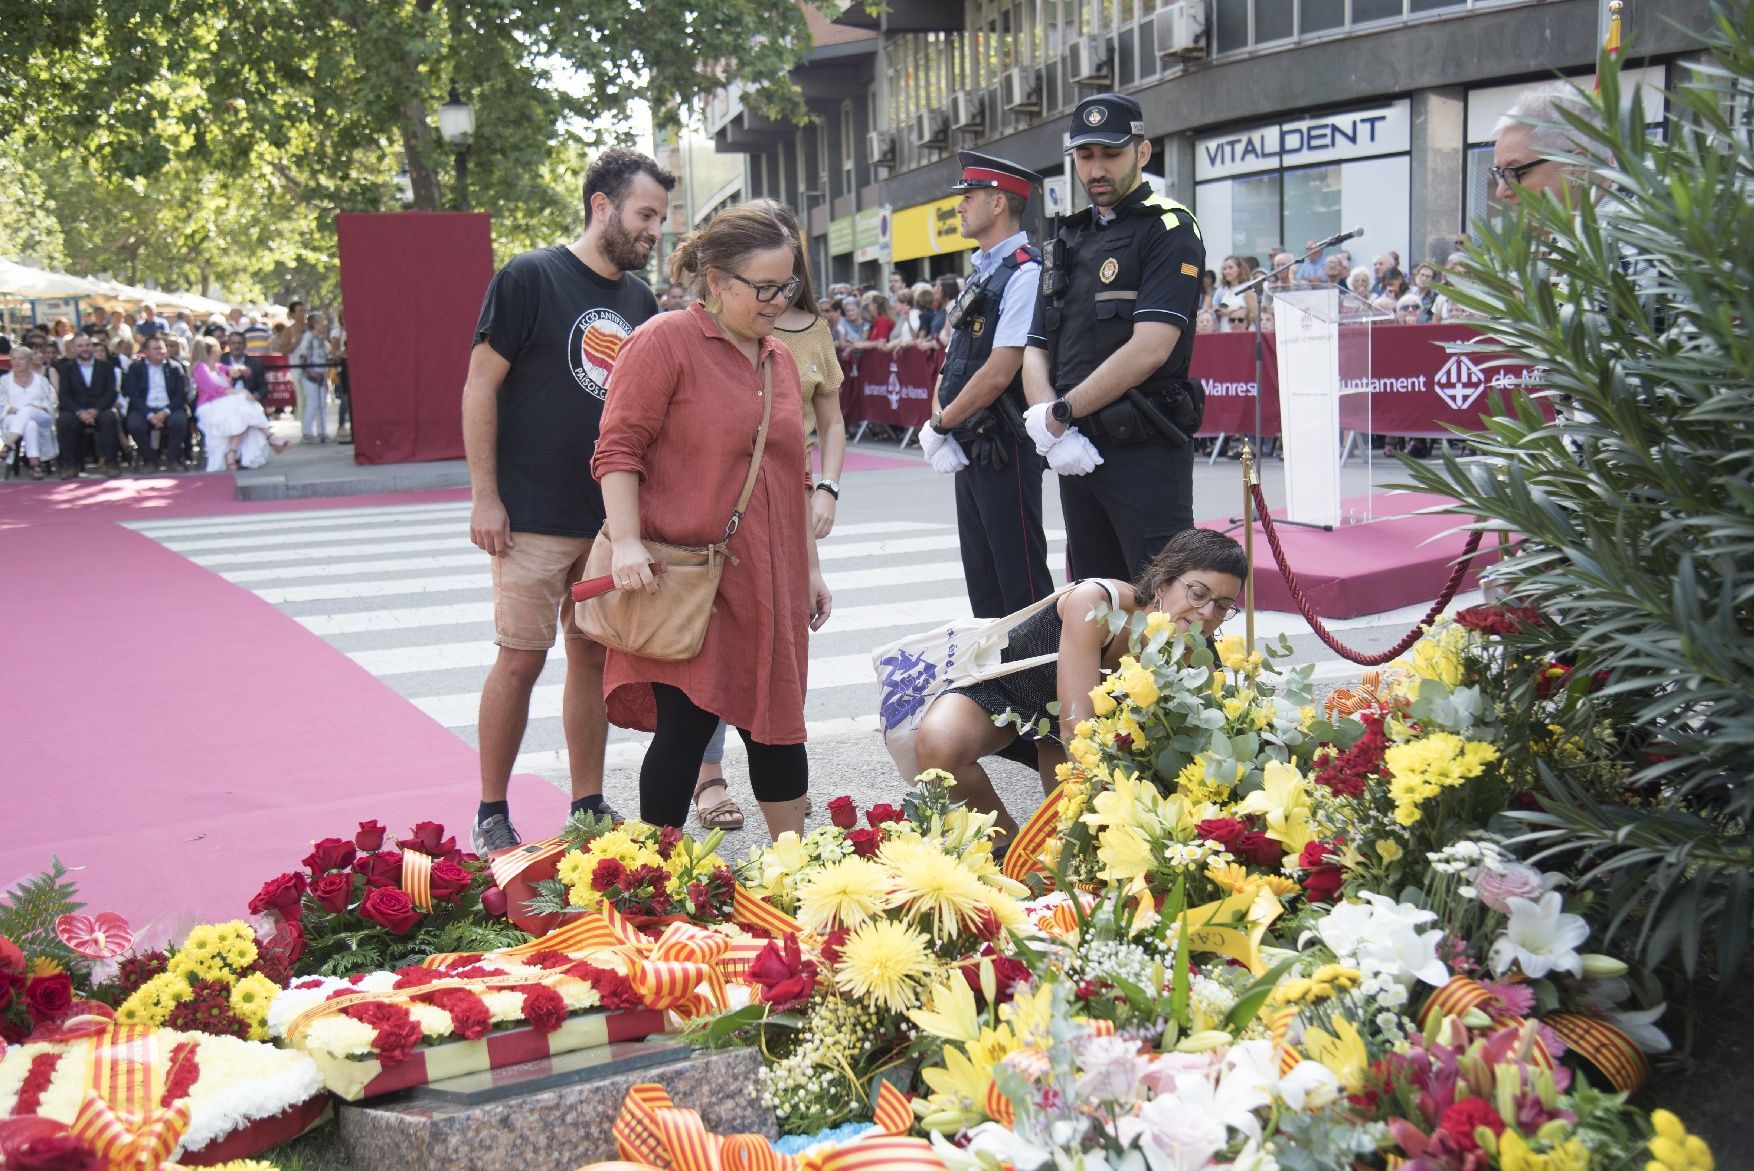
[
  {"x": 906, "y": 903},
  {"x": 214, "y": 982}
]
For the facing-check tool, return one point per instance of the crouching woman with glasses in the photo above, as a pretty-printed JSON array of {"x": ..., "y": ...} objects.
[
  {"x": 1195, "y": 580},
  {"x": 683, "y": 408}
]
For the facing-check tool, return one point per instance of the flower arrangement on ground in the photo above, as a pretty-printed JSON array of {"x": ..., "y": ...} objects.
[
  {"x": 888, "y": 912},
  {"x": 647, "y": 873},
  {"x": 361, "y": 906},
  {"x": 216, "y": 981},
  {"x": 47, "y": 949}
]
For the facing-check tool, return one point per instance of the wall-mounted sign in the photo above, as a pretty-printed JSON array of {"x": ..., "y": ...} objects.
[
  {"x": 929, "y": 229},
  {"x": 868, "y": 234},
  {"x": 840, "y": 236},
  {"x": 1330, "y": 138}
]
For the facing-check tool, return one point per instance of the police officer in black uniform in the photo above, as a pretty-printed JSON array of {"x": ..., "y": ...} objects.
[
  {"x": 1112, "y": 407},
  {"x": 977, "y": 430}
]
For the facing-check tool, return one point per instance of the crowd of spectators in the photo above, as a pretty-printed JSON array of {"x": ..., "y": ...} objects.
[
  {"x": 147, "y": 391},
  {"x": 1230, "y": 301}
]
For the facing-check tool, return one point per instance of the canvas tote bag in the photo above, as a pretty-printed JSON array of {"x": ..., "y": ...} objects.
[{"x": 915, "y": 670}]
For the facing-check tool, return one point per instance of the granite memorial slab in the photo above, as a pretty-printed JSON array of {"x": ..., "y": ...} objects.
[{"x": 550, "y": 1115}]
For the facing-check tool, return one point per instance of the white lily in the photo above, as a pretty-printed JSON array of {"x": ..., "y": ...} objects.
[{"x": 1540, "y": 938}]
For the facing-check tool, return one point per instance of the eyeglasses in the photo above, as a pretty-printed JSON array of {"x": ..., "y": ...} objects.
[
  {"x": 1201, "y": 597},
  {"x": 766, "y": 293},
  {"x": 1514, "y": 174}
]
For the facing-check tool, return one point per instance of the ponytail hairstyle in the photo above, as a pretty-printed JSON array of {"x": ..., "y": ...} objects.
[
  {"x": 726, "y": 243},
  {"x": 805, "y": 298}
]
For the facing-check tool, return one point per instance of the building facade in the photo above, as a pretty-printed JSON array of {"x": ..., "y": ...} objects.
[{"x": 1279, "y": 122}]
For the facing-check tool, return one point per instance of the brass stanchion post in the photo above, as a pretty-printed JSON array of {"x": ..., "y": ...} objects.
[{"x": 1248, "y": 543}]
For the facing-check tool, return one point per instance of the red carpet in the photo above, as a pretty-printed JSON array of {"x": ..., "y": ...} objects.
[
  {"x": 1399, "y": 559},
  {"x": 178, "y": 741}
]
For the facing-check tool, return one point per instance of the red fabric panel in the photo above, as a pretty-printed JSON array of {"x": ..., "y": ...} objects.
[
  {"x": 852, "y": 391},
  {"x": 412, "y": 284},
  {"x": 898, "y": 386},
  {"x": 281, "y": 392},
  {"x": 1417, "y": 385}
]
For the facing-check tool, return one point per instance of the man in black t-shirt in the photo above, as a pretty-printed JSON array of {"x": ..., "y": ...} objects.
[{"x": 551, "y": 325}]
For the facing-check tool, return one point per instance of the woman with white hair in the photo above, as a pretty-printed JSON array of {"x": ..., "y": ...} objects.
[
  {"x": 27, "y": 413},
  {"x": 1533, "y": 140}
]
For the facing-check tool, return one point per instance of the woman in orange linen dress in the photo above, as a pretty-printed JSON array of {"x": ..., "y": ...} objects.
[{"x": 679, "y": 425}]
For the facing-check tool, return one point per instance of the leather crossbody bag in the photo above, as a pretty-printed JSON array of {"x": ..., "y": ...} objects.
[{"x": 669, "y": 624}]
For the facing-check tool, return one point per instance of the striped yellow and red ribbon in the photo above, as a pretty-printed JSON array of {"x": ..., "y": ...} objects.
[
  {"x": 1603, "y": 1045},
  {"x": 1024, "y": 856},
  {"x": 1349, "y": 701},
  {"x": 124, "y": 1069},
  {"x": 417, "y": 878},
  {"x": 514, "y": 862},
  {"x": 124, "y": 1141},
  {"x": 652, "y": 1131}
]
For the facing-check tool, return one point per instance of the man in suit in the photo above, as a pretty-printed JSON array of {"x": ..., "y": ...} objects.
[
  {"x": 237, "y": 353},
  {"x": 88, "y": 399},
  {"x": 158, "y": 400}
]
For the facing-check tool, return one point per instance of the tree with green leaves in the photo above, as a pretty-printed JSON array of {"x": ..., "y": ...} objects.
[
  {"x": 309, "y": 107},
  {"x": 1630, "y": 519}
]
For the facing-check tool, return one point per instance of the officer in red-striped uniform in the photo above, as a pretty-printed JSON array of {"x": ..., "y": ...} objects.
[{"x": 977, "y": 430}]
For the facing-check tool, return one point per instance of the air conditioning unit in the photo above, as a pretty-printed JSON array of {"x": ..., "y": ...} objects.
[
  {"x": 1181, "y": 29},
  {"x": 1087, "y": 61},
  {"x": 968, "y": 110},
  {"x": 880, "y": 146},
  {"x": 1020, "y": 89},
  {"x": 932, "y": 130}
]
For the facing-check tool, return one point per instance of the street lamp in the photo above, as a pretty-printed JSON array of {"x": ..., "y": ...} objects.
[{"x": 456, "y": 119}]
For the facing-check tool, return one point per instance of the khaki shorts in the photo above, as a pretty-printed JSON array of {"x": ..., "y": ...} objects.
[{"x": 532, "y": 589}]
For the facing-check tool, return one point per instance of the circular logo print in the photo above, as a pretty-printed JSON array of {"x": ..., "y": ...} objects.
[
  {"x": 592, "y": 348},
  {"x": 1110, "y": 268},
  {"x": 1096, "y": 115}
]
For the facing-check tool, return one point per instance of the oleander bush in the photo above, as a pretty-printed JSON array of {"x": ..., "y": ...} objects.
[{"x": 1630, "y": 519}]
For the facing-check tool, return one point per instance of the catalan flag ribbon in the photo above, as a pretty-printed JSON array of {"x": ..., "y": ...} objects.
[
  {"x": 136, "y": 1142},
  {"x": 1024, "y": 856}
]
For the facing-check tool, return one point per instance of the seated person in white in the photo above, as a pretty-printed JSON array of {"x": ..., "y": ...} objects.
[
  {"x": 231, "y": 420},
  {"x": 27, "y": 412}
]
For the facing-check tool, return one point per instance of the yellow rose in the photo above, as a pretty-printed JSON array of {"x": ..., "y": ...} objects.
[
  {"x": 1233, "y": 652},
  {"x": 1141, "y": 686},
  {"x": 1101, "y": 702}
]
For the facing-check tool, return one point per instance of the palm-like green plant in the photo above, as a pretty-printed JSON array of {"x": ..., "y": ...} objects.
[{"x": 1632, "y": 518}]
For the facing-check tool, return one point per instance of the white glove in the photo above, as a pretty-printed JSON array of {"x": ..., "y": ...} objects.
[
  {"x": 942, "y": 451},
  {"x": 1035, "y": 421},
  {"x": 1073, "y": 455}
]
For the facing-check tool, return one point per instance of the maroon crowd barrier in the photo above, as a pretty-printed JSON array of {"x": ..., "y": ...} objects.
[
  {"x": 1417, "y": 386},
  {"x": 893, "y": 388},
  {"x": 282, "y": 394}
]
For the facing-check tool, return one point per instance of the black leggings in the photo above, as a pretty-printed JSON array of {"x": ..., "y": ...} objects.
[{"x": 777, "y": 772}]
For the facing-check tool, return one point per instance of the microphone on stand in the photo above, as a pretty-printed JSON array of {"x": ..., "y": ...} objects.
[{"x": 1339, "y": 239}]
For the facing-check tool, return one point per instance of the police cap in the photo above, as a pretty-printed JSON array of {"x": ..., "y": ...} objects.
[
  {"x": 985, "y": 173},
  {"x": 1107, "y": 120}
]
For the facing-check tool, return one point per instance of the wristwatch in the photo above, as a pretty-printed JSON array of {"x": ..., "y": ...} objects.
[
  {"x": 830, "y": 487},
  {"x": 1061, "y": 411}
]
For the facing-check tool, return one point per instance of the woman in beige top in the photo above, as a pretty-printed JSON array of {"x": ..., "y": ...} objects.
[{"x": 801, "y": 330}]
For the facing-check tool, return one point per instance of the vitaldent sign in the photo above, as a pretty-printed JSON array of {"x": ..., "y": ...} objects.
[{"x": 1329, "y": 139}]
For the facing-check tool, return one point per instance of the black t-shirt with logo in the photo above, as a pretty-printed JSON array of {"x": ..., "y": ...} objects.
[{"x": 560, "y": 325}]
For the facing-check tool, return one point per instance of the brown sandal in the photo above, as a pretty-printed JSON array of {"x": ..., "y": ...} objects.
[{"x": 725, "y": 815}]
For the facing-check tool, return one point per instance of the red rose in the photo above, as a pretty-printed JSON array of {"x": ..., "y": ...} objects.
[
  {"x": 48, "y": 998},
  {"x": 609, "y": 874},
  {"x": 1498, "y": 619},
  {"x": 842, "y": 812},
  {"x": 785, "y": 978},
  {"x": 1461, "y": 1120},
  {"x": 1007, "y": 974},
  {"x": 493, "y": 902},
  {"x": 285, "y": 945},
  {"x": 543, "y": 1008},
  {"x": 333, "y": 892},
  {"x": 1322, "y": 879},
  {"x": 864, "y": 841},
  {"x": 882, "y": 813},
  {"x": 426, "y": 837},
  {"x": 449, "y": 881},
  {"x": 370, "y": 838},
  {"x": 329, "y": 854},
  {"x": 1244, "y": 844},
  {"x": 389, "y": 908},
  {"x": 832, "y": 943},
  {"x": 12, "y": 973},
  {"x": 280, "y": 894},
  {"x": 383, "y": 868}
]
